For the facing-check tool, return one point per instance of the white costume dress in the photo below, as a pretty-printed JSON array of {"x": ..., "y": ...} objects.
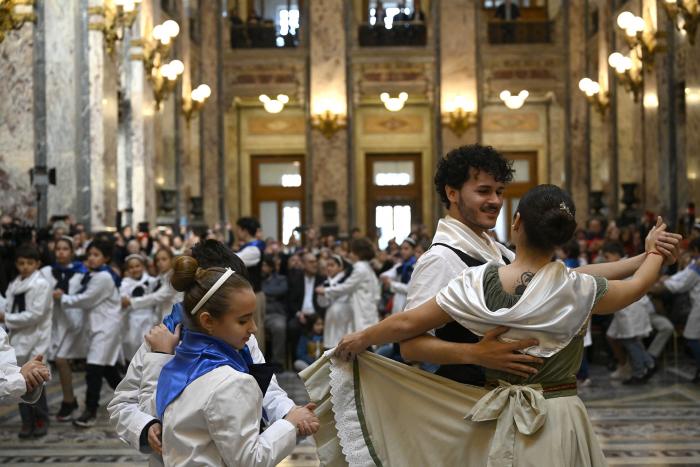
[
  {"x": 362, "y": 287},
  {"x": 101, "y": 303},
  {"x": 339, "y": 316},
  {"x": 131, "y": 411},
  {"x": 68, "y": 336},
  {"x": 632, "y": 321},
  {"x": 374, "y": 411},
  {"x": 30, "y": 327},
  {"x": 162, "y": 297},
  {"x": 138, "y": 320},
  {"x": 399, "y": 289},
  {"x": 13, "y": 387}
]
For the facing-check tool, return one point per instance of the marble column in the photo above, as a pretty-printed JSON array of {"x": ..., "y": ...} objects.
[
  {"x": 657, "y": 108},
  {"x": 692, "y": 119},
  {"x": 328, "y": 93},
  {"x": 458, "y": 68},
  {"x": 102, "y": 110},
  {"x": 208, "y": 118},
  {"x": 577, "y": 151},
  {"x": 17, "y": 137}
]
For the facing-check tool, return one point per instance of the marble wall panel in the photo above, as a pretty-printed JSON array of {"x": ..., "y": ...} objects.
[{"x": 17, "y": 124}]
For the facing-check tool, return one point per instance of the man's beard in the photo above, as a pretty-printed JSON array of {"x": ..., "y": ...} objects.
[{"x": 470, "y": 215}]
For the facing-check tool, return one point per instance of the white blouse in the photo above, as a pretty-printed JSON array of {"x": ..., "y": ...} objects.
[{"x": 216, "y": 421}]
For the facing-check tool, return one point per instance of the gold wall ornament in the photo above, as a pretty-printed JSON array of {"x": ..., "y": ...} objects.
[
  {"x": 684, "y": 14},
  {"x": 460, "y": 115},
  {"x": 164, "y": 79},
  {"x": 11, "y": 19},
  {"x": 600, "y": 100},
  {"x": 328, "y": 123},
  {"x": 195, "y": 101},
  {"x": 628, "y": 72},
  {"x": 643, "y": 40},
  {"x": 117, "y": 16}
]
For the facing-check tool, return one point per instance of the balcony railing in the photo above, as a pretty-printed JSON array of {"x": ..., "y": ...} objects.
[
  {"x": 412, "y": 34},
  {"x": 260, "y": 36},
  {"x": 520, "y": 32}
]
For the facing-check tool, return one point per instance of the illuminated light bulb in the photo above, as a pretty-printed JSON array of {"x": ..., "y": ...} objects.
[
  {"x": 158, "y": 32},
  {"x": 205, "y": 90},
  {"x": 171, "y": 28},
  {"x": 625, "y": 19},
  {"x": 177, "y": 66}
]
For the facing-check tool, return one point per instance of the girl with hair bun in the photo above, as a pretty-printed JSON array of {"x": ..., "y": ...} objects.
[
  {"x": 68, "y": 340},
  {"x": 98, "y": 297},
  {"x": 209, "y": 395},
  {"x": 517, "y": 418}
]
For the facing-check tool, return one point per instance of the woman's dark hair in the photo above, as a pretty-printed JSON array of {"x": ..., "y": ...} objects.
[
  {"x": 28, "y": 251},
  {"x": 249, "y": 224},
  {"x": 188, "y": 277},
  {"x": 103, "y": 246},
  {"x": 212, "y": 253},
  {"x": 363, "y": 248},
  {"x": 548, "y": 215},
  {"x": 454, "y": 169},
  {"x": 269, "y": 260},
  {"x": 615, "y": 248}
]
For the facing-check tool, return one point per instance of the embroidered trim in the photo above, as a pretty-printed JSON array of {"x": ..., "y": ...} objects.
[{"x": 349, "y": 425}]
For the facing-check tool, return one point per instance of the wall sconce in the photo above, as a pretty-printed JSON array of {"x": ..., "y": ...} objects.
[
  {"x": 328, "y": 123},
  {"x": 460, "y": 116},
  {"x": 195, "y": 102},
  {"x": 630, "y": 76},
  {"x": 643, "y": 41},
  {"x": 10, "y": 19},
  {"x": 685, "y": 15},
  {"x": 117, "y": 16},
  {"x": 599, "y": 100},
  {"x": 393, "y": 104},
  {"x": 157, "y": 49},
  {"x": 165, "y": 79},
  {"x": 274, "y": 106},
  {"x": 514, "y": 102}
]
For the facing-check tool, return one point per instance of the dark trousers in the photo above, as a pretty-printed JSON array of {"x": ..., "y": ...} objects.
[
  {"x": 38, "y": 411},
  {"x": 93, "y": 379}
]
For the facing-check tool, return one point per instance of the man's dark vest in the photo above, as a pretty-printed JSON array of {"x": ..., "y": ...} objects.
[{"x": 455, "y": 332}]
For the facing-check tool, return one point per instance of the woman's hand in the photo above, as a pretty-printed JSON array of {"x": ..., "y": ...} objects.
[
  {"x": 351, "y": 345},
  {"x": 57, "y": 294},
  {"x": 162, "y": 340},
  {"x": 665, "y": 243},
  {"x": 126, "y": 303}
]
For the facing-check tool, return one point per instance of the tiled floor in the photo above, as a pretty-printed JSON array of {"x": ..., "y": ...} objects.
[{"x": 653, "y": 425}]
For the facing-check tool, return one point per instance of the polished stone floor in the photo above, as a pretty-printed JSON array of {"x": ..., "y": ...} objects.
[{"x": 657, "y": 424}]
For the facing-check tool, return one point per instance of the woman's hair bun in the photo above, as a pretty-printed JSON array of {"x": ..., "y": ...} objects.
[
  {"x": 184, "y": 275},
  {"x": 549, "y": 216}
]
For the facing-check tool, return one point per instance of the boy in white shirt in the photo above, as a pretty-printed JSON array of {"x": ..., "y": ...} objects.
[{"x": 27, "y": 315}]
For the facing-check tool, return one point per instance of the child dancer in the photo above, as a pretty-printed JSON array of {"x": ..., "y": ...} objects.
[
  {"x": 67, "y": 336},
  {"x": 362, "y": 286},
  {"x": 139, "y": 321},
  {"x": 19, "y": 384},
  {"x": 209, "y": 396},
  {"x": 99, "y": 298},
  {"x": 339, "y": 312},
  {"x": 28, "y": 318},
  {"x": 163, "y": 296}
]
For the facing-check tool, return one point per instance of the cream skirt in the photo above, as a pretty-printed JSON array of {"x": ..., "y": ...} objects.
[{"x": 377, "y": 412}]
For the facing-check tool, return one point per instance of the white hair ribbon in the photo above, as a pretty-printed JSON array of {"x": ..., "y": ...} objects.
[{"x": 228, "y": 273}]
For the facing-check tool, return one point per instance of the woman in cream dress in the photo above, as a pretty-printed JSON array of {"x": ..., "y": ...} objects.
[{"x": 389, "y": 414}]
